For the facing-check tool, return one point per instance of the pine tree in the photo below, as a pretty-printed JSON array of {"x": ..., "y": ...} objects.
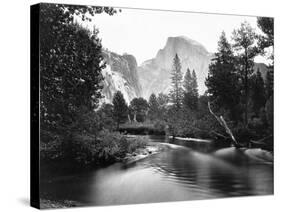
[
  {"x": 120, "y": 108},
  {"x": 187, "y": 81},
  {"x": 190, "y": 97},
  {"x": 222, "y": 81},
  {"x": 258, "y": 92},
  {"x": 176, "y": 93},
  {"x": 153, "y": 111},
  {"x": 163, "y": 100},
  {"x": 267, "y": 40},
  {"x": 194, "y": 86},
  {"x": 244, "y": 39},
  {"x": 187, "y": 96}
]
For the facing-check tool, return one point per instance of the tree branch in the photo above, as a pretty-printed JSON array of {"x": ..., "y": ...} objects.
[{"x": 224, "y": 125}]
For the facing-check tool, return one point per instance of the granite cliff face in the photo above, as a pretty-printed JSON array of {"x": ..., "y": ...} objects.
[
  {"x": 155, "y": 73},
  {"x": 120, "y": 74}
]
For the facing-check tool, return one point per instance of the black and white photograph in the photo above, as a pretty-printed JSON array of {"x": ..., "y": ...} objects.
[{"x": 149, "y": 106}]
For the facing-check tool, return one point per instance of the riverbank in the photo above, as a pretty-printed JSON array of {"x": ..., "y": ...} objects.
[{"x": 143, "y": 128}]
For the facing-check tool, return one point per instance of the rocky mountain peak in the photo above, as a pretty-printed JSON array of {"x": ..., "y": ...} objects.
[
  {"x": 155, "y": 73},
  {"x": 184, "y": 41},
  {"x": 153, "y": 76}
]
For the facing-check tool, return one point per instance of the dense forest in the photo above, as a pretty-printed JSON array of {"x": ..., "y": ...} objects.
[{"x": 76, "y": 129}]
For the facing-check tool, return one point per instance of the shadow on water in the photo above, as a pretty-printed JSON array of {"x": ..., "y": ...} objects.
[{"x": 186, "y": 171}]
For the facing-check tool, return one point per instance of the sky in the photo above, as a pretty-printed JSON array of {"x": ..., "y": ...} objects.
[{"x": 143, "y": 32}]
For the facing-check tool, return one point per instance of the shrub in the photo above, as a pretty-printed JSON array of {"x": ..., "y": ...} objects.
[
  {"x": 85, "y": 149},
  {"x": 50, "y": 145},
  {"x": 160, "y": 126}
]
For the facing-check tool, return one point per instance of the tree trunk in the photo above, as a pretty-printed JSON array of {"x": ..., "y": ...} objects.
[{"x": 224, "y": 125}]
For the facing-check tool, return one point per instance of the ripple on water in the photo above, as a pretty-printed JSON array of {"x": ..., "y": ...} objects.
[{"x": 178, "y": 173}]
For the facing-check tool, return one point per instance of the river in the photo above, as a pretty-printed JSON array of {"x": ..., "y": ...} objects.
[{"x": 184, "y": 171}]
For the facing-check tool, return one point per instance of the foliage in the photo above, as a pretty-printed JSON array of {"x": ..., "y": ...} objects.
[
  {"x": 139, "y": 107},
  {"x": 190, "y": 96},
  {"x": 160, "y": 126},
  {"x": 258, "y": 96},
  {"x": 86, "y": 122},
  {"x": 243, "y": 134},
  {"x": 266, "y": 24},
  {"x": 174, "y": 120},
  {"x": 70, "y": 63},
  {"x": 244, "y": 39},
  {"x": 176, "y": 93},
  {"x": 269, "y": 84},
  {"x": 50, "y": 143},
  {"x": 106, "y": 117},
  {"x": 267, "y": 40},
  {"x": 222, "y": 81},
  {"x": 107, "y": 147},
  {"x": 163, "y": 101},
  {"x": 258, "y": 126},
  {"x": 207, "y": 127},
  {"x": 231, "y": 76},
  {"x": 120, "y": 108},
  {"x": 187, "y": 82},
  {"x": 154, "y": 108},
  {"x": 194, "y": 84},
  {"x": 270, "y": 112}
]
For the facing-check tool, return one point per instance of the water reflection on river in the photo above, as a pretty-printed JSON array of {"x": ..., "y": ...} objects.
[{"x": 184, "y": 172}]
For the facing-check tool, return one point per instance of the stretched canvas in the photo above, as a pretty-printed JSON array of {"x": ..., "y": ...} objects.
[{"x": 142, "y": 106}]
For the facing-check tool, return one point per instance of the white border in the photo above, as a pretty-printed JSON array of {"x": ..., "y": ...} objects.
[{"x": 14, "y": 111}]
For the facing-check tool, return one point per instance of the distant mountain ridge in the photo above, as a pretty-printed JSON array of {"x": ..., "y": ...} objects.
[
  {"x": 153, "y": 76},
  {"x": 155, "y": 73}
]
